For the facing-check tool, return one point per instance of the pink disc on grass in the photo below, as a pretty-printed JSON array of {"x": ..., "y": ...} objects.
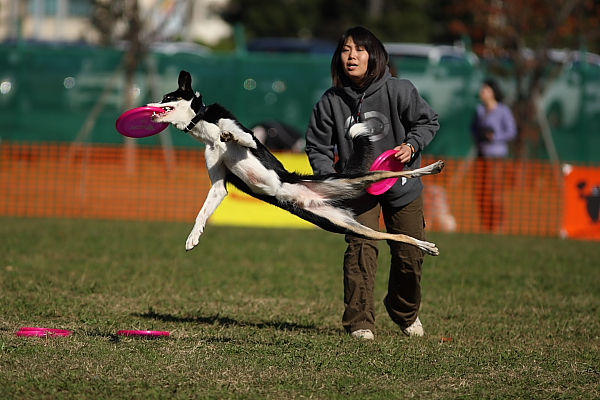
[
  {"x": 143, "y": 333},
  {"x": 385, "y": 162},
  {"x": 137, "y": 122},
  {"x": 42, "y": 332}
]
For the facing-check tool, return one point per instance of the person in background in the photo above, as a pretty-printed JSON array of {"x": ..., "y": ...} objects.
[
  {"x": 365, "y": 91},
  {"x": 493, "y": 128}
]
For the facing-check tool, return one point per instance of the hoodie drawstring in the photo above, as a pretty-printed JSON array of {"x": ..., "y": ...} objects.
[{"x": 357, "y": 119}]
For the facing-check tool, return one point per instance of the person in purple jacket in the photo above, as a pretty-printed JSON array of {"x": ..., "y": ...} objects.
[
  {"x": 493, "y": 128},
  {"x": 400, "y": 119}
]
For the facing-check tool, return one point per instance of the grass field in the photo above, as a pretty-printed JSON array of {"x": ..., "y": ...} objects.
[{"x": 255, "y": 313}]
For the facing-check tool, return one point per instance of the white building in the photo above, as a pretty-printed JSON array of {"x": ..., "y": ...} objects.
[{"x": 70, "y": 20}]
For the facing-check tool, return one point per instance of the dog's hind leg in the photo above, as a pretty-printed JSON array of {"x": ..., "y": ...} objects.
[
  {"x": 431, "y": 169},
  {"x": 343, "y": 219},
  {"x": 342, "y": 188},
  {"x": 376, "y": 176}
]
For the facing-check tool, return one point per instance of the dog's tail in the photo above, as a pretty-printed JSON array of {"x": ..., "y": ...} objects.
[
  {"x": 363, "y": 154},
  {"x": 358, "y": 130}
]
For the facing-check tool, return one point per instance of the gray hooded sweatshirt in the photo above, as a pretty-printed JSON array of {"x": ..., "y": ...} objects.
[{"x": 395, "y": 114}]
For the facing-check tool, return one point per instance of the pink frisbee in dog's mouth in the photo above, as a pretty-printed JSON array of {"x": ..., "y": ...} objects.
[
  {"x": 143, "y": 333},
  {"x": 42, "y": 332},
  {"x": 137, "y": 122},
  {"x": 385, "y": 162}
]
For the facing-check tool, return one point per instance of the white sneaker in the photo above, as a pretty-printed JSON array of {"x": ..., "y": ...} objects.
[
  {"x": 363, "y": 334},
  {"x": 415, "y": 330}
]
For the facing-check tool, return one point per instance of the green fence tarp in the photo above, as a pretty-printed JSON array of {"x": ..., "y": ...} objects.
[{"x": 48, "y": 93}]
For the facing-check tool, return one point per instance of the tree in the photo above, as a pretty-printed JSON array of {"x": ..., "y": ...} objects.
[
  {"x": 522, "y": 32},
  {"x": 395, "y": 21},
  {"x": 122, "y": 21}
]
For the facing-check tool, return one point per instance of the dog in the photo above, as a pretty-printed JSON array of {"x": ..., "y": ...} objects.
[{"x": 234, "y": 155}]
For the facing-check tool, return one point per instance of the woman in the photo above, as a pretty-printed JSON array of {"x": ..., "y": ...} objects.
[
  {"x": 365, "y": 91},
  {"x": 493, "y": 128}
]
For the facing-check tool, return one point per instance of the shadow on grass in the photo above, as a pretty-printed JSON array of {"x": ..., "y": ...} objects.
[
  {"x": 115, "y": 338},
  {"x": 226, "y": 321}
]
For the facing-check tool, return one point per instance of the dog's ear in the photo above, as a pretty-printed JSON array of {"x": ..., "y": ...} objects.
[{"x": 185, "y": 81}]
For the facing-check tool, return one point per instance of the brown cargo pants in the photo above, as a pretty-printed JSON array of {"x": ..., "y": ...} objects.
[{"x": 403, "y": 299}]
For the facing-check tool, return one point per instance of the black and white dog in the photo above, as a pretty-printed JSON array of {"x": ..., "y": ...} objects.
[{"x": 234, "y": 155}]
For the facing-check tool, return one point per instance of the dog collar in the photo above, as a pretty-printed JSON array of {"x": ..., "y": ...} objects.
[{"x": 196, "y": 118}]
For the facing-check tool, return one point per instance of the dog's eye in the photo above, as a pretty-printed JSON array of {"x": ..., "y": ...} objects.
[{"x": 167, "y": 99}]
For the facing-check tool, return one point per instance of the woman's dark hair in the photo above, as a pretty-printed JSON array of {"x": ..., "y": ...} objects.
[
  {"x": 493, "y": 84},
  {"x": 378, "y": 56}
]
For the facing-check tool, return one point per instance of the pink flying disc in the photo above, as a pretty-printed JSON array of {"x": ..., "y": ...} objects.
[
  {"x": 143, "y": 333},
  {"x": 42, "y": 332},
  {"x": 137, "y": 123},
  {"x": 385, "y": 162}
]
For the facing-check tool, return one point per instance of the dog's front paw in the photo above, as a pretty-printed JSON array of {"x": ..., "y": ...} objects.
[
  {"x": 228, "y": 137},
  {"x": 193, "y": 239}
]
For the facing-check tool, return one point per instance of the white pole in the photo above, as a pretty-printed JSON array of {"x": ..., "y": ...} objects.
[
  {"x": 38, "y": 18},
  {"x": 13, "y": 20},
  {"x": 62, "y": 7}
]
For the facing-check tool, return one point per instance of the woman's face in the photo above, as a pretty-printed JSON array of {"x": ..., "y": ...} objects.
[
  {"x": 355, "y": 61},
  {"x": 486, "y": 94}
]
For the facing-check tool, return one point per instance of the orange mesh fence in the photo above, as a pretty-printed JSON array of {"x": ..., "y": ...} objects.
[
  {"x": 79, "y": 181},
  {"x": 495, "y": 196},
  {"x": 150, "y": 183}
]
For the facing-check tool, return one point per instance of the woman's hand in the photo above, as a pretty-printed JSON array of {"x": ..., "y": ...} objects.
[{"x": 404, "y": 153}]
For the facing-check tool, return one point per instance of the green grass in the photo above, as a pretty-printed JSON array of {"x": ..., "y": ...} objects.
[{"x": 255, "y": 313}]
